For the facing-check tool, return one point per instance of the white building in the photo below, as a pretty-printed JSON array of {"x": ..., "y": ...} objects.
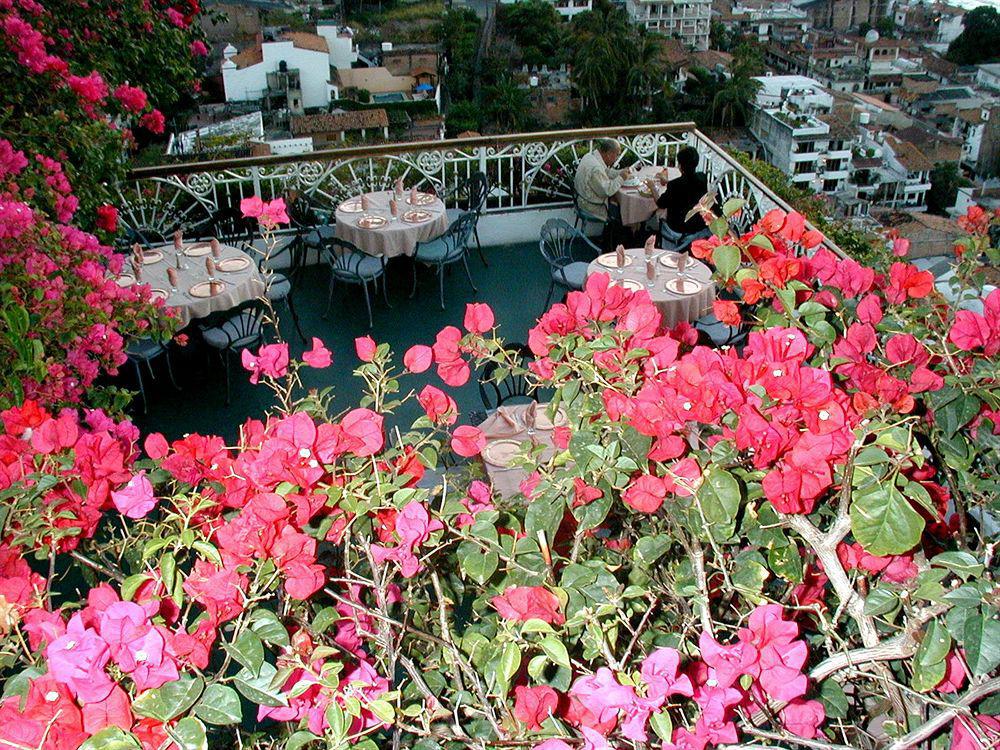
[
  {"x": 565, "y": 8},
  {"x": 903, "y": 176},
  {"x": 768, "y": 22},
  {"x": 296, "y": 65},
  {"x": 687, "y": 20},
  {"x": 988, "y": 77},
  {"x": 793, "y": 121},
  {"x": 340, "y": 43}
]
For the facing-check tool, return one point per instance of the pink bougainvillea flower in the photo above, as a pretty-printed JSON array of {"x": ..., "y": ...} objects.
[
  {"x": 552, "y": 744},
  {"x": 269, "y": 214},
  {"x": 468, "y": 441},
  {"x": 413, "y": 526},
  {"x": 439, "y": 407},
  {"x": 319, "y": 356},
  {"x": 529, "y": 603},
  {"x": 107, "y": 218},
  {"x": 906, "y": 281},
  {"x": 271, "y": 360},
  {"x": 154, "y": 122},
  {"x": 478, "y": 317},
  {"x": 418, "y": 358},
  {"x": 198, "y": 48},
  {"x": 954, "y": 674},
  {"x": 365, "y": 347},
  {"x": 602, "y": 697},
  {"x": 803, "y": 718},
  {"x": 136, "y": 499},
  {"x": 660, "y": 673},
  {"x": 362, "y": 429},
  {"x": 645, "y": 494},
  {"x": 221, "y": 591},
  {"x": 77, "y": 659},
  {"x": 533, "y": 705},
  {"x": 454, "y": 373},
  {"x": 900, "y": 246},
  {"x": 966, "y": 733}
]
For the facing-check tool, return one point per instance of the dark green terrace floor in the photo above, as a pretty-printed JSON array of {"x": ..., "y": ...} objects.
[{"x": 514, "y": 284}]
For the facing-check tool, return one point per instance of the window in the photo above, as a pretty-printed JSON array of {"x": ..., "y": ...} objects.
[
  {"x": 804, "y": 167},
  {"x": 830, "y": 186},
  {"x": 808, "y": 147}
]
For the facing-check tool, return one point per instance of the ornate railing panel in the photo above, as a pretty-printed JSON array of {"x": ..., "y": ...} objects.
[{"x": 525, "y": 171}]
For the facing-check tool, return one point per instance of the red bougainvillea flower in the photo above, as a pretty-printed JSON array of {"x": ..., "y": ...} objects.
[
  {"x": 136, "y": 499},
  {"x": 439, "y": 407},
  {"x": 107, "y": 218},
  {"x": 727, "y": 311},
  {"x": 646, "y": 493},
  {"x": 319, "y": 356},
  {"x": 972, "y": 330},
  {"x": 533, "y": 705},
  {"x": 154, "y": 122},
  {"x": 967, "y": 731},
  {"x": 418, "y": 358},
  {"x": 906, "y": 281},
  {"x": 803, "y": 718},
  {"x": 478, "y": 317},
  {"x": 271, "y": 360},
  {"x": 468, "y": 441},
  {"x": 523, "y": 603},
  {"x": 413, "y": 526},
  {"x": 365, "y": 347}
]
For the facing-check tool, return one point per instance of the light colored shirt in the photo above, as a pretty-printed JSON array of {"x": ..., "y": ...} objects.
[{"x": 595, "y": 182}]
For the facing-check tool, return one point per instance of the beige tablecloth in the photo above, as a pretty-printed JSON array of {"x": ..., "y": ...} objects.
[
  {"x": 239, "y": 286},
  {"x": 674, "y": 307},
  {"x": 636, "y": 205},
  {"x": 507, "y": 481},
  {"x": 397, "y": 237}
]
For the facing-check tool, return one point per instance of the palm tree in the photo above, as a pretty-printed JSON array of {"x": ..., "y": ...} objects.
[
  {"x": 647, "y": 71},
  {"x": 731, "y": 103}
]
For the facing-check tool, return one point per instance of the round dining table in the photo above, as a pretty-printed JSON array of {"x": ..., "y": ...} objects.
[
  {"x": 637, "y": 204},
  {"x": 237, "y": 279},
  {"x": 376, "y": 231},
  {"x": 679, "y": 296}
]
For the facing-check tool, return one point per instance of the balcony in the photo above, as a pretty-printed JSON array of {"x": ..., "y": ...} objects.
[
  {"x": 531, "y": 177},
  {"x": 530, "y": 174}
]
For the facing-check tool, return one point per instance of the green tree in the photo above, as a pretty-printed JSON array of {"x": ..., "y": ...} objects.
[
  {"x": 460, "y": 38},
  {"x": 979, "y": 41},
  {"x": 730, "y": 103},
  {"x": 537, "y": 29},
  {"x": 647, "y": 71},
  {"x": 507, "y": 106},
  {"x": 463, "y": 116},
  {"x": 946, "y": 179}
]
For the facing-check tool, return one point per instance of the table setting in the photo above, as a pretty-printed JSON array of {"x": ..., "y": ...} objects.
[
  {"x": 195, "y": 278},
  {"x": 680, "y": 286},
  {"x": 392, "y": 222},
  {"x": 510, "y": 431},
  {"x": 634, "y": 198}
]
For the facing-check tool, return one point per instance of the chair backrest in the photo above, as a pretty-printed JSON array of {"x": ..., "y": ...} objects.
[
  {"x": 473, "y": 192},
  {"x": 456, "y": 238},
  {"x": 513, "y": 386},
  {"x": 556, "y": 242},
  {"x": 733, "y": 184},
  {"x": 230, "y": 227},
  {"x": 245, "y": 324},
  {"x": 344, "y": 259}
]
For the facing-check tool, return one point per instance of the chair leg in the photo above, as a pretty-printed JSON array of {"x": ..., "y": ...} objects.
[
  {"x": 479, "y": 247},
  {"x": 468, "y": 275},
  {"x": 224, "y": 355},
  {"x": 170, "y": 370},
  {"x": 441, "y": 283},
  {"x": 552, "y": 286},
  {"x": 295, "y": 317},
  {"x": 385, "y": 289},
  {"x": 368, "y": 303},
  {"x": 329, "y": 298},
  {"x": 413, "y": 292},
  {"x": 142, "y": 388}
]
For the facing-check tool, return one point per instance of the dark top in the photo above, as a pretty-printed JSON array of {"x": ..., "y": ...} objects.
[{"x": 681, "y": 195}]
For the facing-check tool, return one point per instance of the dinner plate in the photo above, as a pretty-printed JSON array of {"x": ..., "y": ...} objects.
[
  {"x": 149, "y": 257},
  {"x": 207, "y": 289},
  {"x": 670, "y": 259},
  {"x": 372, "y": 222},
  {"x": 501, "y": 453},
  {"x": 543, "y": 422},
  {"x": 632, "y": 286},
  {"x": 610, "y": 260},
  {"x": 125, "y": 280},
  {"x": 690, "y": 286},
  {"x": 232, "y": 265},
  {"x": 422, "y": 199},
  {"x": 159, "y": 294},
  {"x": 416, "y": 216},
  {"x": 198, "y": 249},
  {"x": 351, "y": 206}
]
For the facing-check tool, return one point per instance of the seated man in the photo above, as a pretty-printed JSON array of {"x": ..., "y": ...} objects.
[
  {"x": 597, "y": 180},
  {"x": 680, "y": 196}
]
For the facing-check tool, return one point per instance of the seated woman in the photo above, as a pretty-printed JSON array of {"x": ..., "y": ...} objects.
[{"x": 679, "y": 196}]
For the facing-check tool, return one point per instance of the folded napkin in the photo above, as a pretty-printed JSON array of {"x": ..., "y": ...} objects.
[
  {"x": 210, "y": 267},
  {"x": 620, "y": 255},
  {"x": 399, "y": 186},
  {"x": 137, "y": 269},
  {"x": 650, "y": 244},
  {"x": 503, "y": 423},
  {"x": 413, "y": 195},
  {"x": 393, "y": 207},
  {"x": 365, "y": 203},
  {"x": 172, "y": 277},
  {"x": 178, "y": 240},
  {"x": 216, "y": 248}
]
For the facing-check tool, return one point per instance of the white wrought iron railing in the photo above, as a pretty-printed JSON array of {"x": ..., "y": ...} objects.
[{"x": 525, "y": 171}]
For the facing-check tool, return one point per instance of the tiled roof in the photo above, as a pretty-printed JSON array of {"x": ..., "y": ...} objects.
[
  {"x": 362, "y": 119},
  {"x": 255, "y": 54},
  {"x": 909, "y": 155},
  {"x": 249, "y": 56}
]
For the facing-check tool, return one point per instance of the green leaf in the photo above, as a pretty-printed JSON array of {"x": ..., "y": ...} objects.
[
  {"x": 383, "y": 710},
  {"x": 649, "y": 549},
  {"x": 981, "y": 639},
  {"x": 832, "y": 696},
  {"x": 662, "y": 725},
  {"x": 883, "y": 521},
  {"x": 729, "y": 209},
  {"x": 475, "y": 562},
  {"x": 786, "y": 561},
  {"x": 257, "y": 688},
  {"x": 170, "y": 700},
  {"x": 248, "y": 650},
  {"x": 324, "y": 619},
  {"x": 726, "y": 259},
  {"x": 960, "y": 563},
  {"x": 336, "y": 721},
  {"x": 749, "y": 573},
  {"x": 267, "y": 625},
  {"x": 881, "y": 601},
  {"x": 555, "y": 650},
  {"x": 219, "y": 705},
  {"x": 720, "y": 497},
  {"x": 189, "y": 734},
  {"x": 112, "y": 738},
  {"x": 956, "y": 413},
  {"x": 510, "y": 662},
  {"x": 929, "y": 661},
  {"x": 300, "y": 739}
]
